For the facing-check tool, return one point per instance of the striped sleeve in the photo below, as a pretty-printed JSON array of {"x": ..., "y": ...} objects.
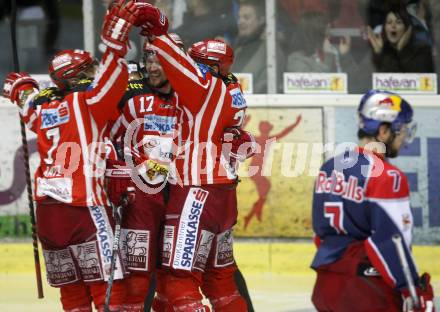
[
  {"x": 390, "y": 214},
  {"x": 108, "y": 88},
  {"x": 183, "y": 73},
  {"x": 30, "y": 112}
]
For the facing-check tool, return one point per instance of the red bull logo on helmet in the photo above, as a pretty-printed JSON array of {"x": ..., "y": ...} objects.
[{"x": 393, "y": 102}]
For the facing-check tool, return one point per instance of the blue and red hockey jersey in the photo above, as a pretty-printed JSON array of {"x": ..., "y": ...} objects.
[{"x": 359, "y": 196}]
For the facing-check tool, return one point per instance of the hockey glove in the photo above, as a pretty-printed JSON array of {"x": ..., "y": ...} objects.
[
  {"x": 243, "y": 143},
  {"x": 151, "y": 20},
  {"x": 17, "y": 86},
  {"x": 117, "y": 26},
  {"x": 118, "y": 181},
  {"x": 425, "y": 294}
]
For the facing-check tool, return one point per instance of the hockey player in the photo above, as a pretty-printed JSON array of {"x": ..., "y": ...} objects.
[
  {"x": 360, "y": 202},
  {"x": 203, "y": 208},
  {"x": 72, "y": 222},
  {"x": 149, "y": 125},
  {"x": 241, "y": 147}
]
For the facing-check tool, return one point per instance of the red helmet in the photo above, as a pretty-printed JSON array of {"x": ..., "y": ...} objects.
[
  {"x": 69, "y": 64},
  {"x": 213, "y": 52}
]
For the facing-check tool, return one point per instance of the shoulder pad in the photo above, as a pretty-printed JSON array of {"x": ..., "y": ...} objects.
[
  {"x": 230, "y": 79},
  {"x": 47, "y": 95},
  {"x": 82, "y": 85},
  {"x": 134, "y": 88},
  {"x": 136, "y": 85}
]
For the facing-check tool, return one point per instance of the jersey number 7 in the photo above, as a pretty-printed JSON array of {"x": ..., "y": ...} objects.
[{"x": 335, "y": 212}]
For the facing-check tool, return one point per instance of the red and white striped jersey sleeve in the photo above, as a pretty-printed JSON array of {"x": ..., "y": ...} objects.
[
  {"x": 182, "y": 72},
  {"x": 108, "y": 87},
  {"x": 29, "y": 112}
]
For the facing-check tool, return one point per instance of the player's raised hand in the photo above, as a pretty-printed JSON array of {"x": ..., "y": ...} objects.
[
  {"x": 17, "y": 85},
  {"x": 117, "y": 25},
  {"x": 151, "y": 20}
]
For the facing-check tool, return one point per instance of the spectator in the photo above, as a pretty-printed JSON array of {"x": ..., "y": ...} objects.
[
  {"x": 207, "y": 19},
  {"x": 315, "y": 52},
  {"x": 250, "y": 45},
  {"x": 38, "y": 27},
  {"x": 435, "y": 10},
  {"x": 419, "y": 13},
  {"x": 296, "y": 8},
  {"x": 395, "y": 48},
  {"x": 421, "y": 20}
]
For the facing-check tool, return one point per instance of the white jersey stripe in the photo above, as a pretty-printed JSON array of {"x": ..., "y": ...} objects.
[
  {"x": 102, "y": 68},
  {"x": 187, "y": 146},
  {"x": 196, "y": 148},
  {"x": 382, "y": 260},
  {"x": 94, "y": 162},
  {"x": 116, "y": 127},
  {"x": 209, "y": 146},
  {"x": 84, "y": 149},
  {"x": 132, "y": 108},
  {"x": 109, "y": 83}
]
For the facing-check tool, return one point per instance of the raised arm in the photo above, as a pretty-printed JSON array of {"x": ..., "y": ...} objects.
[
  {"x": 111, "y": 79},
  {"x": 191, "y": 81}
]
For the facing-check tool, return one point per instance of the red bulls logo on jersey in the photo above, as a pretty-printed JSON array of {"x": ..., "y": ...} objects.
[{"x": 337, "y": 185}]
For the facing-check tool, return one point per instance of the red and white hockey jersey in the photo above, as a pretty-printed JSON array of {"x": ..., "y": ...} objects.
[
  {"x": 149, "y": 123},
  {"x": 206, "y": 107},
  {"x": 71, "y": 140}
]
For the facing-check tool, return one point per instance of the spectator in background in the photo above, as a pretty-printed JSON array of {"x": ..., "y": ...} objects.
[
  {"x": 420, "y": 13},
  {"x": 314, "y": 52},
  {"x": 435, "y": 12},
  {"x": 38, "y": 27},
  {"x": 250, "y": 45},
  {"x": 207, "y": 19},
  {"x": 395, "y": 48}
]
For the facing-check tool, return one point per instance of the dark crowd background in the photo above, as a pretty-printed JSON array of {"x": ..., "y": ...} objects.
[{"x": 357, "y": 37}]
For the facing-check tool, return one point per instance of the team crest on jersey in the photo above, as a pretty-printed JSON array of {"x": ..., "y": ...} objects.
[
  {"x": 238, "y": 100},
  {"x": 160, "y": 124},
  {"x": 53, "y": 117}
]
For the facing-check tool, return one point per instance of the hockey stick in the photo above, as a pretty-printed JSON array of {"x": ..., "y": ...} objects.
[
  {"x": 118, "y": 218},
  {"x": 26, "y": 157},
  {"x": 414, "y": 303}
]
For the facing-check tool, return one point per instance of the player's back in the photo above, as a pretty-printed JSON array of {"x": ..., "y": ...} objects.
[
  {"x": 72, "y": 150},
  {"x": 340, "y": 207},
  {"x": 206, "y": 107}
]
